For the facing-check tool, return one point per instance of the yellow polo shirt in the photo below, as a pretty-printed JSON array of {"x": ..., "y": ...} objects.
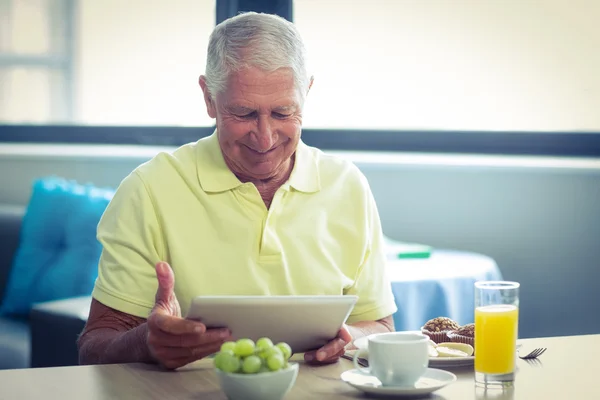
[{"x": 321, "y": 235}]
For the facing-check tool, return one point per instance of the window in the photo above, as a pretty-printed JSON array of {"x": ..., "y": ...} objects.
[
  {"x": 35, "y": 63},
  {"x": 463, "y": 76},
  {"x": 133, "y": 62},
  {"x": 515, "y": 65}
]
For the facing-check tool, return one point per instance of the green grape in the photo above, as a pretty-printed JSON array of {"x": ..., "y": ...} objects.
[
  {"x": 251, "y": 364},
  {"x": 220, "y": 356},
  {"x": 217, "y": 361},
  {"x": 263, "y": 344},
  {"x": 272, "y": 351},
  {"x": 275, "y": 362},
  {"x": 227, "y": 362},
  {"x": 244, "y": 347},
  {"x": 286, "y": 350},
  {"x": 228, "y": 346}
]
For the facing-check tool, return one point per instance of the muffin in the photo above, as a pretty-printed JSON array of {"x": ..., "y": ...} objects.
[
  {"x": 464, "y": 334},
  {"x": 438, "y": 328}
]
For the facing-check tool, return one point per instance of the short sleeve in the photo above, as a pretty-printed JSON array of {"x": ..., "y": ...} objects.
[
  {"x": 372, "y": 284},
  {"x": 132, "y": 244}
]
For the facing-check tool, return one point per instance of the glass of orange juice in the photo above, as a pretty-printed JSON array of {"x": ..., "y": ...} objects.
[{"x": 496, "y": 331}]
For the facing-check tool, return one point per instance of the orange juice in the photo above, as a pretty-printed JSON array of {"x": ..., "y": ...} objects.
[{"x": 496, "y": 329}]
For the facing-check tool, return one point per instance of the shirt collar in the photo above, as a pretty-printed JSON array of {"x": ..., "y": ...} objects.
[
  {"x": 213, "y": 173},
  {"x": 215, "y": 176},
  {"x": 305, "y": 175}
]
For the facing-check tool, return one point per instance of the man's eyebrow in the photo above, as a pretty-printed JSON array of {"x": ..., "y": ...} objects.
[
  {"x": 287, "y": 108},
  {"x": 239, "y": 109},
  {"x": 243, "y": 110}
]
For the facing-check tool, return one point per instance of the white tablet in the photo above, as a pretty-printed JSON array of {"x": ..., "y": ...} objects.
[{"x": 304, "y": 322}]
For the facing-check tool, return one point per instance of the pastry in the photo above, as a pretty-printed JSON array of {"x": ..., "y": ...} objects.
[
  {"x": 437, "y": 328},
  {"x": 464, "y": 334}
]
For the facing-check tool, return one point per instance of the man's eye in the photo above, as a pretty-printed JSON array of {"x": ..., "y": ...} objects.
[
  {"x": 281, "y": 116},
  {"x": 246, "y": 116}
]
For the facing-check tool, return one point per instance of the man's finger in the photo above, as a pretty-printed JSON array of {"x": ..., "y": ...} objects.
[
  {"x": 158, "y": 338},
  {"x": 161, "y": 338},
  {"x": 335, "y": 346},
  {"x": 332, "y": 348},
  {"x": 215, "y": 335},
  {"x": 197, "y": 354},
  {"x": 310, "y": 357},
  {"x": 345, "y": 334},
  {"x": 170, "y": 353},
  {"x": 333, "y": 358},
  {"x": 166, "y": 282},
  {"x": 176, "y": 325}
]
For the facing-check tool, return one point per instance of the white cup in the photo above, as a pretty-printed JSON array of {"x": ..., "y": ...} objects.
[{"x": 396, "y": 358}]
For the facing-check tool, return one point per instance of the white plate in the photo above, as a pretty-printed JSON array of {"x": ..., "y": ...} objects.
[
  {"x": 451, "y": 362},
  {"x": 304, "y": 322},
  {"x": 434, "y": 379},
  {"x": 439, "y": 362}
]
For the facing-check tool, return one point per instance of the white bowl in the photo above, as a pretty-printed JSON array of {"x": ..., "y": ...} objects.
[{"x": 262, "y": 386}]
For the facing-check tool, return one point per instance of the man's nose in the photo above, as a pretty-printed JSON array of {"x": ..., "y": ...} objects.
[{"x": 265, "y": 135}]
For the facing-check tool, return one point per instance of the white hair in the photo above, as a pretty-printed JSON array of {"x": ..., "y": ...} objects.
[{"x": 260, "y": 40}]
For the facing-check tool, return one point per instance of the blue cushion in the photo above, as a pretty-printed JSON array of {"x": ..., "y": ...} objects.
[
  {"x": 15, "y": 347},
  {"x": 58, "y": 251}
]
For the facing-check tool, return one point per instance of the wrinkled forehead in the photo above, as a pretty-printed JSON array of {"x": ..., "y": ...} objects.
[
  {"x": 254, "y": 79},
  {"x": 253, "y": 82}
]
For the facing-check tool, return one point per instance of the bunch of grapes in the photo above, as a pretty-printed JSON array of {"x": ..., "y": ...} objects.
[{"x": 245, "y": 356}]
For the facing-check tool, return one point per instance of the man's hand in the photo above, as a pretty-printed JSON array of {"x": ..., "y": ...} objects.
[
  {"x": 332, "y": 351},
  {"x": 172, "y": 340}
]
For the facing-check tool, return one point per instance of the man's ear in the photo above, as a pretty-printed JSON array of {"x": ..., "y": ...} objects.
[
  {"x": 211, "y": 107},
  {"x": 312, "y": 79}
]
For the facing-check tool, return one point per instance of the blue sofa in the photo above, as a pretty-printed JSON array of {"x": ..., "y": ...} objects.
[
  {"x": 46, "y": 337},
  {"x": 15, "y": 334},
  {"x": 48, "y": 265}
]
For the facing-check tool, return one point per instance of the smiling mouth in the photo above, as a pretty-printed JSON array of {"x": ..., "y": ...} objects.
[{"x": 262, "y": 152}]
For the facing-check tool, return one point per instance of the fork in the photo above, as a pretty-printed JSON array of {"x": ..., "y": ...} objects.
[
  {"x": 360, "y": 361},
  {"x": 535, "y": 353}
]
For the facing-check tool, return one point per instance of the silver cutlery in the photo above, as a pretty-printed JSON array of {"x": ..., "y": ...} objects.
[
  {"x": 361, "y": 361},
  {"x": 535, "y": 353}
]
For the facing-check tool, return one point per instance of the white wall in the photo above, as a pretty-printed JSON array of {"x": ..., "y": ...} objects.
[
  {"x": 138, "y": 61},
  {"x": 453, "y": 64},
  {"x": 539, "y": 220}
]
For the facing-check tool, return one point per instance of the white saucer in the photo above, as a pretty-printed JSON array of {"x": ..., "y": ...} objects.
[{"x": 434, "y": 379}]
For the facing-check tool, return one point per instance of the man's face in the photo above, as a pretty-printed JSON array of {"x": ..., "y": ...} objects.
[{"x": 259, "y": 120}]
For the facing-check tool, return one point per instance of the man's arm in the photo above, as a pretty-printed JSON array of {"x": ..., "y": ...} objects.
[
  {"x": 111, "y": 336},
  {"x": 338, "y": 346},
  {"x": 366, "y": 328}
]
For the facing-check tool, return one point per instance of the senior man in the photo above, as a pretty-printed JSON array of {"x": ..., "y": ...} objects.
[{"x": 250, "y": 210}]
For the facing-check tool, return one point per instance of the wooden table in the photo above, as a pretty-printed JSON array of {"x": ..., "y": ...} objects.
[{"x": 568, "y": 370}]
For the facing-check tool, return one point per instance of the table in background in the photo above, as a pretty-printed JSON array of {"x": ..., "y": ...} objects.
[
  {"x": 441, "y": 285},
  {"x": 568, "y": 370}
]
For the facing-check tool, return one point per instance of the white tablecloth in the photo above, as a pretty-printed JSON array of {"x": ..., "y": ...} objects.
[{"x": 441, "y": 285}]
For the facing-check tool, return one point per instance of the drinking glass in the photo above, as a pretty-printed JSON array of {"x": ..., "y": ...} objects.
[
  {"x": 488, "y": 393},
  {"x": 496, "y": 331}
]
